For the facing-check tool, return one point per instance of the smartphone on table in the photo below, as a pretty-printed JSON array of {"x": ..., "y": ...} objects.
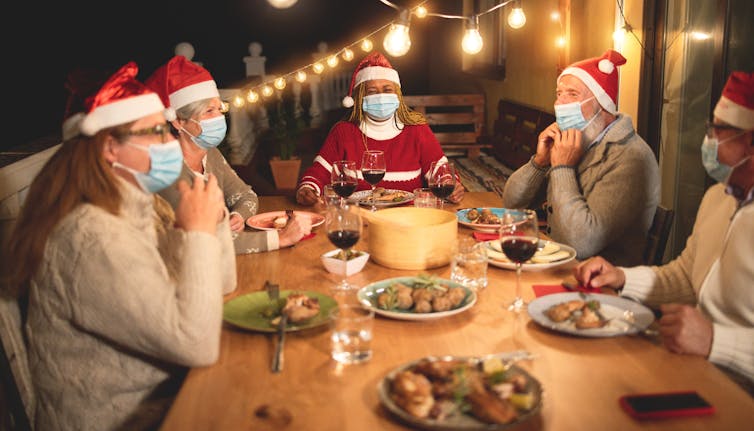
[{"x": 666, "y": 405}]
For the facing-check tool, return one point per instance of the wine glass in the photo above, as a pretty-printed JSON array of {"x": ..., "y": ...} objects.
[
  {"x": 344, "y": 179},
  {"x": 442, "y": 179},
  {"x": 373, "y": 169},
  {"x": 343, "y": 225},
  {"x": 519, "y": 239}
]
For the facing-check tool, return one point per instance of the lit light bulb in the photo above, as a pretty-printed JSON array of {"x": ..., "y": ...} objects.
[
  {"x": 397, "y": 41},
  {"x": 252, "y": 96},
  {"x": 332, "y": 60},
  {"x": 267, "y": 91},
  {"x": 517, "y": 19},
  {"x": 555, "y": 16},
  {"x": 225, "y": 107},
  {"x": 420, "y": 12},
  {"x": 560, "y": 41},
  {"x": 282, "y": 4},
  {"x": 300, "y": 76},
  {"x": 472, "y": 40},
  {"x": 619, "y": 36},
  {"x": 318, "y": 68},
  {"x": 366, "y": 45},
  {"x": 700, "y": 35},
  {"x": 279, "y": 83},
  {"x": 238, "y": 101},
  {"x": 347, "y": 54}
]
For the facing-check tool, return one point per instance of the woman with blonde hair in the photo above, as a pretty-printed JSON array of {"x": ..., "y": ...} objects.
[{"x": 123, "y": 293}]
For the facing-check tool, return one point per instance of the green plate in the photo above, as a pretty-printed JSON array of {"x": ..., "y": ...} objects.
[{"x": 246, "y": 311}]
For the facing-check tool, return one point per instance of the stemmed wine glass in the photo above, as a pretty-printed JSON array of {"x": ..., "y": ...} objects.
[
  {"x": 343, "y": 225},
  {"x": 519, "y": 239},
  {"x": 344, "y": 178},
  {"x": 373, "y": 169},
  {"x": 442, "y": 179}
]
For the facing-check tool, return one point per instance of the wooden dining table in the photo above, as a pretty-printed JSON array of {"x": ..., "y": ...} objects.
[{"x": 582, "y": 378}]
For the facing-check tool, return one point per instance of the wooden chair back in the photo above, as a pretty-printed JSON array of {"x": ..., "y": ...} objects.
[
  {"x": 658, "y": 235},
  {"x": 516, "y": 131},
  {"x": 457, "y": 120}
]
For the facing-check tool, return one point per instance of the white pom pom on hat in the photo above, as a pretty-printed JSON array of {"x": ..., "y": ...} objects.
[
  {"x": 606, "y": 66},
  {"x": 348, "y": 101}
]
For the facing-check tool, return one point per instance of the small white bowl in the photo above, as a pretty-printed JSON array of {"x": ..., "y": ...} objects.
[{"x": 335, "y": 265}]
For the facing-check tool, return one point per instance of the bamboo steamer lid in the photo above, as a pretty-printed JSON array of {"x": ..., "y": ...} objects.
[{"x": 412, "y": 238}]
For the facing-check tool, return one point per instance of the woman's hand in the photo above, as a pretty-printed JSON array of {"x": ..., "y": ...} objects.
[
  {"x": 199, "y": 205},
  {"x": 297, "y": 228},
  {"x": 306, "y": 196},
  {"x": 236, "y": 222},
  {"x": 684, "y": 329},
  {"x": 597, "y": 272},
  {"x": 457, "y": 194}
]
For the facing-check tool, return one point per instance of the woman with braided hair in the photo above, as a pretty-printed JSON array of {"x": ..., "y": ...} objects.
[{"x": 380, "y": 120}]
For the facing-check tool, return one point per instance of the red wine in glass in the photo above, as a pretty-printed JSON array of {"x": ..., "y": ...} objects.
[
  {"x": 519, "y": 249},
  {"x": 344, "y": 189},
  {"x": 343, "y": 239},
  {"x": 442, "y": 191},
  {"x": 373, "y": 176}
]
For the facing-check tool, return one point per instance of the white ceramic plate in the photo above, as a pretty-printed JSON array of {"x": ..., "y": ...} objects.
[
  {"x": 264, "y": 221},
  {"x": 497, "y": 257},
  {"x": 463, "y": 219},
  {"x": 612, "y": 307},
  {"x": 364, "y": 198},
  {"x": 368, "y": 294},
  {"x": 464, "y": 422}
]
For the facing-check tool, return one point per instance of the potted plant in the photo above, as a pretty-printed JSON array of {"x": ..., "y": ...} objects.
[{"x": 284, "y": 133}]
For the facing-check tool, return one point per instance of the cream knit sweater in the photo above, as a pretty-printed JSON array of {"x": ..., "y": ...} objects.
[
  {"x": 117, "y": 310},
  {"x": 714, "y": 271}
]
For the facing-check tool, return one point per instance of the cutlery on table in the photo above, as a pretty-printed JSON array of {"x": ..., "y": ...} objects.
[{"x": 273, "y": 291}]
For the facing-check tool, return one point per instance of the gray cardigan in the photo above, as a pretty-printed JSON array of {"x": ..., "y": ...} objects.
[{"x": 605, "y": 205}]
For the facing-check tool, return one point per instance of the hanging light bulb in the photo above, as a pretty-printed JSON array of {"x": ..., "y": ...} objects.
[
  {"x": 238, "y": 101},
  {"x": 560, "y": 42},
  {"x": 318, "y": 68},
  {"x": 282, "y": 4},
  {"x": 700, "y": 35},
  {"x": 279, "y": 83},
  {"x": 252, "y": 96},
  {"x": 397, "y": 41},
  {"x": 267, "y": 91},
  {"x": 420, "y": 12},
  {"x": 619, "y": 36},
  {"x": 332, "y": 60},
  {"x": 300, "y": 76},
  {"x": 366, "y": 45},
  {"x": 516, "y": 19},
  {"x": 555, "y": 16},
  {"x": 472, "y": 40},
  {"x": 347, "y": 54}
]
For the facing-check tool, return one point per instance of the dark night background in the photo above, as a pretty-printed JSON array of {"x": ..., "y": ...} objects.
[{"x": 55, "y": 38}]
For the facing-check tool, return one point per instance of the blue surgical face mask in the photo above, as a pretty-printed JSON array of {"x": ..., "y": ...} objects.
[
  {"x": 719, "y": 171},
  {"x": 213, "y": 132},
  {"x": 569, "y": 116},
  {"x": 380, "y": 106},
  {"x": 165, "y": 164}
]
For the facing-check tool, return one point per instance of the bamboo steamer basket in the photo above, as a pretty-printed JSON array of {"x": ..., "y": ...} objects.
[{"x": 411, "y": 238}]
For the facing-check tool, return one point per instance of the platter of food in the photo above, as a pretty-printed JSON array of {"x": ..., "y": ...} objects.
[
  {"x": 257, "y": 312},
  {"x": 416, "y": 298},
  {"x": 461, "y": 393},
  {"x": 279, "y": 219},
  {"x": 549, "y": 255},
  {"x": 383, "y": 198},
  {"x": 590, "y": 315},
  {"x": 481, "y": 219}
]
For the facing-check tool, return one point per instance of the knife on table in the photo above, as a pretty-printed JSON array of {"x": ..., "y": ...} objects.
[{"x": 273, "y": 291}]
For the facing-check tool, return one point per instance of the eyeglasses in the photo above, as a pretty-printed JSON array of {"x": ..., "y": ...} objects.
[
  {"x": 712, "y": 129},
  {"x": 159, "y": 129}
]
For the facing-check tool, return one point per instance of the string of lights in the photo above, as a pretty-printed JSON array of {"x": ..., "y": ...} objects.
[{"x": 396, "y": 43}]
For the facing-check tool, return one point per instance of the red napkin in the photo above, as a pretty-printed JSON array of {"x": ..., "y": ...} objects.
[
  {"x": 485, "y": 236},
  {"x": 311, "y": 235},
  {"x": 541, "y": 289}
]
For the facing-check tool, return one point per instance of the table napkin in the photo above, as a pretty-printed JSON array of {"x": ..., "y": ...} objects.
[
  {"x": 541, "y": 289},
  {"x": 485, "y": 236},
  {"x": 311, "y": 235}
]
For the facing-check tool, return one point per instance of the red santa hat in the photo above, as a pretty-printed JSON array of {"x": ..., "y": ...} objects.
[
  {"x": 120, "y": 100},
  {"x": 373, "y": 66},
  {"x": 181, "y": 81},
  {"x": 81, "y": 83},
  {"x": 736, "y": 104},
  {"x": 600, "y": 75}
]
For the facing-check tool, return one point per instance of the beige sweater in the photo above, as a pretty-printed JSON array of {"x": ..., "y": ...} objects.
[
  {"x": 117, "y": 310},
  {"x": 716, "y": 272}
]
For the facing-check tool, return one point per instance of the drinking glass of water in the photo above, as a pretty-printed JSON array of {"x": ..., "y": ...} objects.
[
  {"x": 468, "y": 265},
  {"x": 351, "y": 335}
]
